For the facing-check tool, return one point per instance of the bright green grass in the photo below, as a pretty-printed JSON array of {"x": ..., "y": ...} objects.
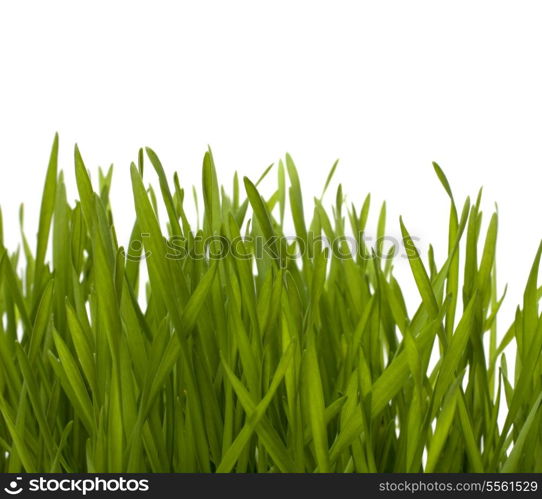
[{"x": 256, "y": 365}]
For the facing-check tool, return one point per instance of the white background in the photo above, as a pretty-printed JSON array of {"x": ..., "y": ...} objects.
[{"x": 386, "y": 86}]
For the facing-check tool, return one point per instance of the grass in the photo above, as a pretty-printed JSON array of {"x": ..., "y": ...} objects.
[{"x": 257, "y": 360}]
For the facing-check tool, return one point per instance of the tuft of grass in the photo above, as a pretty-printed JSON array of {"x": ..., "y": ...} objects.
[{"x": 248, "y": 351}]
